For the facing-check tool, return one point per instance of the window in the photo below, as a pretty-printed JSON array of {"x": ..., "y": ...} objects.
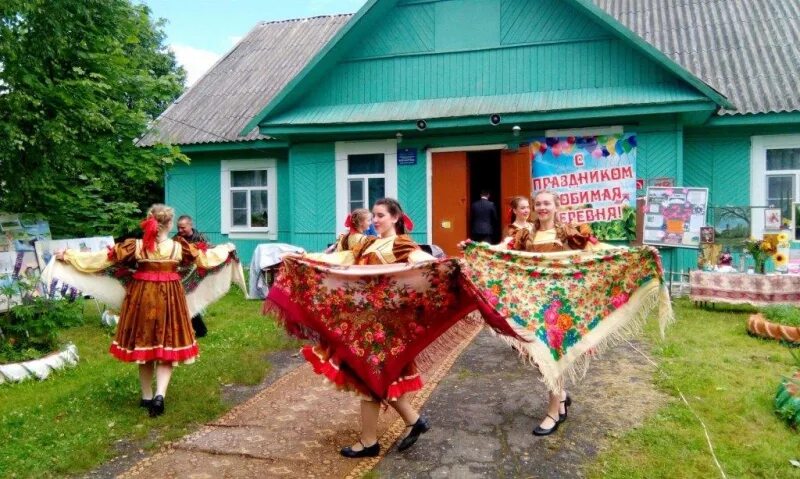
[
  {"x": 365, "y": 172},
  {"x": 366, "y": 180},
  {"x": 249, "y": 193},
  {"x": 783, "y": 167},
  {"x": 775, "y": 176}
]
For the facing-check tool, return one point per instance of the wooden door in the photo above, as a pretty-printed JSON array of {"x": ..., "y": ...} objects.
[
  {"x": 450, "y": 196},
  {"x": 516, "y": 178}
]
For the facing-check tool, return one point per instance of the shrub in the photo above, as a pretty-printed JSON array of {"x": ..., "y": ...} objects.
[{"x": 30, "y": 327}]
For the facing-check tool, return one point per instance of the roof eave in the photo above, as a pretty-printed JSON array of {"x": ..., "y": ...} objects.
[
  {"x": 755, "y": 119},
  {"x": 435, "y": 125}
]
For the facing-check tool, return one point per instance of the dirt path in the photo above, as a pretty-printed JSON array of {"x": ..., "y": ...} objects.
[{"x": 483, "y": 413}]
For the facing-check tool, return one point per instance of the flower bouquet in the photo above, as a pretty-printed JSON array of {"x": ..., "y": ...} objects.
[{"x": 760, "y": 250}]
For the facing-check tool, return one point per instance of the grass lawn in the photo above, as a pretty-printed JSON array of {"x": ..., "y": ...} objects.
[
  {"x": 71, "y": 422},
  {"x": 730, "y": 380}
]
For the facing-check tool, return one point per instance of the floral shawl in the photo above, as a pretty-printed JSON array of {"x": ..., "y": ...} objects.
[
  {"x": 377, "y": 318},
  {"x": 557, "y": 309}
]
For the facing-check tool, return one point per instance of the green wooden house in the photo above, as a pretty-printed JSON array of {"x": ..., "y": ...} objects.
[{"x": 426, "y": 100}]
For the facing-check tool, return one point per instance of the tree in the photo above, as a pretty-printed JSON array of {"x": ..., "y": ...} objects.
[{"x": 80, "y": 80}]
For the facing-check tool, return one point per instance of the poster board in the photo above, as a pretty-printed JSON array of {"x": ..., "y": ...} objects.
[
  {"x": 594, "y": 178},
  {"x": 18, "y": 232},
  {"x": 674, "y": 216},
  {"x": 16, "y": 266}
]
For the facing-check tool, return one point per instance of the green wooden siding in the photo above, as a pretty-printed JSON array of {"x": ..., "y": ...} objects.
[
  {"x": 312, "y": 180},
  {"x": 526, "y": 21},
  {"x": 413, "y": 24},
  {"x": 412, "y": 191},
  {"x": 523, "y": 69}
]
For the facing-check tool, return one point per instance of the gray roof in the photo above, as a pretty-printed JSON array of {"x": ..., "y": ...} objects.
[
  {"x": 748, "y": 50},
  {"x": 240, "y": 84}
]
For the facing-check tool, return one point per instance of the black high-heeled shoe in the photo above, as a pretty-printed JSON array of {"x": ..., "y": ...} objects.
[
  {"x": 420, "y": 427},
  {"x": 540, "y": 431},
  {"x": 567, "y": 403},
  {"x": 145, "y": 403},
  {"x": 366, "y": 451},
  {"x": 157, "y": 406}
]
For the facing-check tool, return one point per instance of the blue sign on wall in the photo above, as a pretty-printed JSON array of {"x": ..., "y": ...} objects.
[{"x": 406, "y": 156}]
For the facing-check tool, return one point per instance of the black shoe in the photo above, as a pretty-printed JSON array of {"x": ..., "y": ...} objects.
[
  {"x": 366, "y": 451},
  {"x": 145, "y": 403},
  {"x": 567, "y": 403},
  {"x": 420, "y": 427},
  {"x": 540, "y": 431},
  {"x": 200, "y": 329},
  {"x": 157, "y": 406}
]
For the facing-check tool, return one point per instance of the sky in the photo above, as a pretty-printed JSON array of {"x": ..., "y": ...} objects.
[{"x": 201, "y": 31}]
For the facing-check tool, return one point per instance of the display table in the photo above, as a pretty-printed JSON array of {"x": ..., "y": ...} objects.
[
  {"x": 740, "y": 288},
  {"x": 266, "y": 258}
]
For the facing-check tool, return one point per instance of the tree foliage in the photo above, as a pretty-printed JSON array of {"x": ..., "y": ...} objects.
[{"x": 79, "y": 82}]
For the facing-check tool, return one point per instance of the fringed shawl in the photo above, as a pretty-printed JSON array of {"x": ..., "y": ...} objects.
[
  {"x": 202, "y": 286},
  {"x": 376, "y": 318},
  {"x": 557, "y": 309}
]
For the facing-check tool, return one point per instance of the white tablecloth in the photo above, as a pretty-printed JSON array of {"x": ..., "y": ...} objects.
[{"x": 264, "y": 256}]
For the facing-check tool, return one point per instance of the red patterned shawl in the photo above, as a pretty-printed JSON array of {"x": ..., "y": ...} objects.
[{"x": 377, "y": 318}]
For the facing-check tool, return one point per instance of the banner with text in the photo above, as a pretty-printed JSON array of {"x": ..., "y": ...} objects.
[{"x": 594, "y": 178}]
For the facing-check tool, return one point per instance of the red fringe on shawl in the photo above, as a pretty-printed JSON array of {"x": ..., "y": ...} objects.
[
  {"x": 334, "y": 373},
  {"x": 154, "y": 354}
]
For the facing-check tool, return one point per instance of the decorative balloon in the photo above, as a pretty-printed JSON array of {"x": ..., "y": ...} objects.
[
  {"x": 556, "y": 150},
  {"x": 551, "y": 141},
  {"x": 606, "y": 152},
  {"x": 596, "y": 153}
]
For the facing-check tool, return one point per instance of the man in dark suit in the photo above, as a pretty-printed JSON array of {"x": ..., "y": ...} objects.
[{"x": 483, "y": 216}]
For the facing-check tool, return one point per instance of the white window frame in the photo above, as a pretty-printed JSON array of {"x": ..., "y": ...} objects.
[
  {"x": 237, "y": 232},
  {"x": 345, "y": 148},
  {"x": 758, "y": 174}
]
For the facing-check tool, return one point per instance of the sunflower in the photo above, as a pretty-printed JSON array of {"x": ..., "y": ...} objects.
[
  {"x": 783, "y": 237},
  {"x": 780, "y": 259}
]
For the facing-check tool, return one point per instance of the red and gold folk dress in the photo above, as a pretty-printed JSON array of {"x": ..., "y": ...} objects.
[
  {"x": 373, "y": 251},
  {"x": 561, "y": 238},
  {"x": 154, "y": 322},
  {"x": 350, "y": 241}
]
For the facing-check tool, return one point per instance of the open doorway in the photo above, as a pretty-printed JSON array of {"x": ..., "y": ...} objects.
[{"x": 484, "y": 174}]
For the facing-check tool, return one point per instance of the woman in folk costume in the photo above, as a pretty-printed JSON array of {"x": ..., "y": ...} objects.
[
  {"x": 357, "y": 223},
  {"x": 548, "y": 234},
  {"x": 392, "y": 245},
  {"x": 154, "y": 329},
  {"x": 519, "y": 210}
]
